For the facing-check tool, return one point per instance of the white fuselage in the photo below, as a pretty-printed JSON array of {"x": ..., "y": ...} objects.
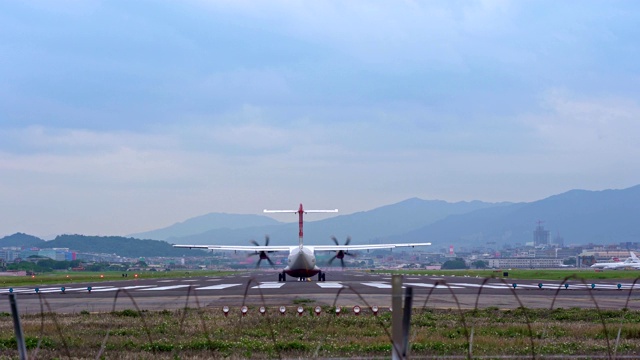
[
  {"x": 629, "y": 263},
  {"x": 301, "y": 262}
]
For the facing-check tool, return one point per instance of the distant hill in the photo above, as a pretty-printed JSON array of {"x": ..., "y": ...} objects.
[
  {"x": 204, "y": 223},
  {"x": 579, "y": 216},
  {"x": 126, "y": 247},
  {"x": 20, "y": 239},
  {"x": 374, "y": 225}
]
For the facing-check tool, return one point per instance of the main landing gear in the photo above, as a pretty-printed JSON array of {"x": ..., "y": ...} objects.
[
  {"x": 322, "y": 276},
  {"x": 282, "y": 277}
]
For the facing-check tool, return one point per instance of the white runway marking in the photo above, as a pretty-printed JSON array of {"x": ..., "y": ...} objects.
[
  {"x": 440, "y": 286},
  {"x": 330, "y": 285},
  {"x": 166, "y": 287},
  {"x": 190, "y": 280},
  {"x": 166, "y": 281},
  {"x": 378, "y": 285},
  {"x": 218, "y": 287},
  {"x": 269, "y": 285},
  {"x": 111, "y": 288}
]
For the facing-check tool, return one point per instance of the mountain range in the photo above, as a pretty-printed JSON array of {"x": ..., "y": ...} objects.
[{"x": 578, "y": 216}]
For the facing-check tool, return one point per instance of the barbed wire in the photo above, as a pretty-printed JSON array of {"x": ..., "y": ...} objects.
[{"x": 467, "y": 324}]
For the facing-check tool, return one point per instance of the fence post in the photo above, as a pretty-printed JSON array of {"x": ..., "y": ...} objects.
[
  {"x": 396, "y": 317},
  {"x": 406, "y": 321},
  {"x": 22, "y": 349}
]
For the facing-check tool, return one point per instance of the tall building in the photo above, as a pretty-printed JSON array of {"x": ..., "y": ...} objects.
[{"x": 540, "y": 235}]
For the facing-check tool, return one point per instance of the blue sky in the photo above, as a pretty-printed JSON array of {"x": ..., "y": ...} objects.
[{"x": 124, "y": 116}]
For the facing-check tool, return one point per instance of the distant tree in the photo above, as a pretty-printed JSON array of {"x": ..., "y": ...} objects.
[
  {"x": 480, "y": 264},
  {"x": 458, "y": 263}
]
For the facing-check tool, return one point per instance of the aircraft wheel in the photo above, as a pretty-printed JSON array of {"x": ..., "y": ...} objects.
[{"x": 279, "y": 277}]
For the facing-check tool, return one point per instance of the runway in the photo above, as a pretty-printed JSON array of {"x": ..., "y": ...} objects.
[{"x": 343, "y": 288}]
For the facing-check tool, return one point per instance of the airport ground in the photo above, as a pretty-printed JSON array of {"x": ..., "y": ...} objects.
[
  {"x": 182, "y": 317},
  {"x": 342, "y": 288}
]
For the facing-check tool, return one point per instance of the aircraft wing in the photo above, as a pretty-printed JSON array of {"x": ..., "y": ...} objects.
[
  {"x": 236, "y": 247},
  {"x": 364, "y": 247}
]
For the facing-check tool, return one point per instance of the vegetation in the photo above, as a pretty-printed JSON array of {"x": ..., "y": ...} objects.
[
  {"x": 526, "y": 274},
  {"x": 207, "y": 333},
  {"x": 122, "y": 246},
  {"x": 458, "y": 263},
  {"x": 67, "y": 277}
]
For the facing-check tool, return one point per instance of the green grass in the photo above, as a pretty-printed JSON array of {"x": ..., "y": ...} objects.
[
  {"x": 67, "y": 277},
  {"x": 207, "y": 333},
  {"x": 525, "y": 274}
]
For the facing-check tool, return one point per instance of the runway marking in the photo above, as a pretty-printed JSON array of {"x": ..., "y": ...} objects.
[
  {"x": 166, "y": 287},
  {"x": 269, "y": 285},
  {"x": 440, "y": 286},
  {"x": 378, "y": 285},
  {"x": 214, "y": 279},
  {"x": 192, "y": 280},
  {"x": 217, "y": 287},
  {"x": 15, "y": 290},
  {"x": 166, "y": 281},
  {"x": 413, "y": 278},
  {"x": 111, "y": 288},
  {"x": 330, "y": 285}
]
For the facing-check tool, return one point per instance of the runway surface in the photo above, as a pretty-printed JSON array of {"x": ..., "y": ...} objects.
[{"x": 343, "y": 288}]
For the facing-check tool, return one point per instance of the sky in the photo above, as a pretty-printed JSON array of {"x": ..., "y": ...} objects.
[{"x": 119, "y": 117}]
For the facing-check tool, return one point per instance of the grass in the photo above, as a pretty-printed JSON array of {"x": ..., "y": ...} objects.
[
  {"x": 207, "y": 333},
  {"x": 68, "y": 277},
  {"x": 526, "y": 274}
]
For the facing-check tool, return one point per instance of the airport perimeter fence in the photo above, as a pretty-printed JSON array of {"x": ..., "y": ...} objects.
[{"x": 426, "y": 329}]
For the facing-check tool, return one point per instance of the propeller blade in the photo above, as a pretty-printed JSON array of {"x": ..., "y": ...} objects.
[
  {"x": 270, "y": 262},
  {"x": 266, "y": 240},
  {"x": 258, "y": 263},
  {"x": 254, "y": 254},
  {"x": 350, "y": 254},
  {"x": 255, "y": 243},
  {"x": 335, "y": 240},
  {"x": 333, "y": 258},
  {"x": 348, "y": 240},
  {"x": 342, "y": 263}
]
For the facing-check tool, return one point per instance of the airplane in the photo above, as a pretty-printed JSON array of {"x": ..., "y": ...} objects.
[
  {"x": 631, "y": 262},
  {"x": 301, "y": 262}
]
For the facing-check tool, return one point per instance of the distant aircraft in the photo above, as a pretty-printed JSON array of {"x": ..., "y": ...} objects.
[
  {"x": 631, "y": 262},
  {"x": 302, "y": 260}
]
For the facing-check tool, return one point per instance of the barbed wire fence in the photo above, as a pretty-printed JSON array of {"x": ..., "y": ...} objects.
[{"x": 466, "y": 320}]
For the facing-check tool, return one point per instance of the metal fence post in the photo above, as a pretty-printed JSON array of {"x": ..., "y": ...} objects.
[
  {"x": 396, "y": 317},
  {"x": 406, "y": 321},
  {"x": 22, "y": 349}
]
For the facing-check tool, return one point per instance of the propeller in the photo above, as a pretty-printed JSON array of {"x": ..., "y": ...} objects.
[
  {"x": 340, "y": 253},
  {"x": 263, "y": 254}
]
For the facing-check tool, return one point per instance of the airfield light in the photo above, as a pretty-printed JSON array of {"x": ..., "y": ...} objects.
[
  {"x": 33, "y": 276},
  {"x": 300, "y": 310},
  {"x": 225, "y": 310},
  {"x": 283, "y": 310},
  {"x": 37, "y": 290},
  {"x": 62, "y": 289},
  {"x": 89, "y": 289},
  {"x": 244, "y": 310},
  {"x": 356, "y": 310},
  {"x": 566, "y": 286},
  {"x": 514, "y": 285},
  {"x": 338, "y": 309},
  {"x": 317, "y": 310},
  {"x": 619, "y": 286},
  {"x": 593, "y": 286},
  {"x": 375, "y": 310},
  {"x": 10, "y": 290},
  {"x": 135, "y": 276},
  {"x": 539, "y": 285},
  {"x": 67, "y": 276},
  {"x": 101, "y": 276},
  {"x": 263, "y": 310}
]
